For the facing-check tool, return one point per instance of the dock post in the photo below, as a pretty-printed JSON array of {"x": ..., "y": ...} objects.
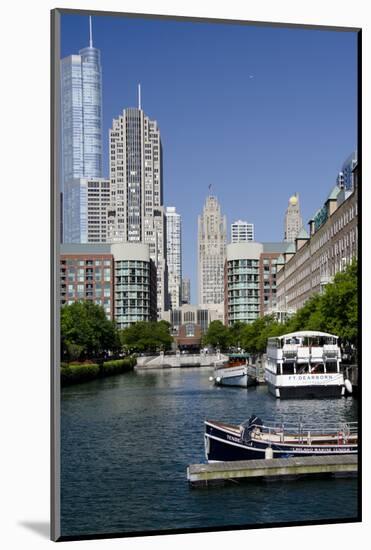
[{"x": 269, "y": 453}]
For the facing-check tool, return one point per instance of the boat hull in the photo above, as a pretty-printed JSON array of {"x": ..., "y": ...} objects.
[
  {"x": 224, "y": 445},
  {"x": 233, "y": 376},
  {"x": 306, "y": 391},
  {"x": 240, "y": 381}
]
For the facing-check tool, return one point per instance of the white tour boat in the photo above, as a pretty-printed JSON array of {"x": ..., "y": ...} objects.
[{"x": 304, "y": 364}]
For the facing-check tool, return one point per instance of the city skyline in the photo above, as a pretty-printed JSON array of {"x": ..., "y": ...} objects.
[{"x": 282, "y": 93}]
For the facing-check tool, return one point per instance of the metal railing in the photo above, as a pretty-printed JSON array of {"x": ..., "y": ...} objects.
[{"x": 345, "y": 429}]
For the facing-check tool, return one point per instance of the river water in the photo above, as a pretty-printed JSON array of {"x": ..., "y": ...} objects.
[{"x": 127, "y": 440}]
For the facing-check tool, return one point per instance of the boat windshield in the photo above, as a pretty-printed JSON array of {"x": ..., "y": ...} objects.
[{"x": 310, "y": 341}]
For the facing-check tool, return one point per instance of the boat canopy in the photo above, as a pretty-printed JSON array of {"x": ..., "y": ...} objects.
[{"x": 304, "y": 334}]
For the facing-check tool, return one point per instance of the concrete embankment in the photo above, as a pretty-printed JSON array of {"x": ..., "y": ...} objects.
[{"x": 176, "y": 361}]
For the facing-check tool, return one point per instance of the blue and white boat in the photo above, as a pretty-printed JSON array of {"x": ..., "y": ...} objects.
[{"x": 251, "y": 439}]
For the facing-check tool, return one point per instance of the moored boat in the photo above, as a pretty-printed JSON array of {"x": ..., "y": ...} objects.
[
  {"x": 234, "y": 372},
  {"x": 304, "y": 364},
  {"x": 253, "y": 439}
]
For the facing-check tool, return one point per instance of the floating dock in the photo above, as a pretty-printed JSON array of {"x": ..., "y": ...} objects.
[{"x": 274, "y": 468}]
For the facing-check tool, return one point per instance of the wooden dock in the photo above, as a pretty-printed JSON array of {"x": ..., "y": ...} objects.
[{"x": 280, "y": 468}]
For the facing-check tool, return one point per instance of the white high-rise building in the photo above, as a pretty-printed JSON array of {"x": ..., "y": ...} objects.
[
  {"x": 293, "y": 220},
  {"x": 136, "y": 212},
  {"x": 85, "y": 204},
  {"x": 212, "y": 239},
  {"x": 174, "y": 255},
  {"x": 242, "y": 232},
  {"x": 81, "y": 120}
]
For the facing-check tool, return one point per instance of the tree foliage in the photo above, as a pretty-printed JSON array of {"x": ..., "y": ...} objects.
[
  {"x": 86, "y": 331},
  {"x": 236, "y": 332},
  {"x": 147, "y": 336},
  {"x": 256, "y": 334},
  {"x": 218, "y": 335},
  {"x": 339, "y": 305}
]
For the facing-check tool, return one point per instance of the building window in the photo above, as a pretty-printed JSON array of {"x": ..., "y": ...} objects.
[{"x": 190, "y": 330}]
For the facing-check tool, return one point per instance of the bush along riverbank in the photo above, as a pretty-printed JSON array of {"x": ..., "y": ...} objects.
[{"x": 75, "y": 373}]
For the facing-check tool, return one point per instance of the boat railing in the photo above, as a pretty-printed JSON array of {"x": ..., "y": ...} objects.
[{"x": 341, "y": 429}]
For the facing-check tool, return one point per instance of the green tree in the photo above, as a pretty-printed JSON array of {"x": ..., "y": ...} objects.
[
  {"x": 308, "y": 317},
  {"x": 163, "y": 333},
  {"x": 217, "y": 335},
  {"x": 339, "y": 305},
  {"x": 256, "y": 334},
  {"x": 86, "y": 332},
  {"x": 236, "y": 334},
  {"x": 146, "y": 336}
]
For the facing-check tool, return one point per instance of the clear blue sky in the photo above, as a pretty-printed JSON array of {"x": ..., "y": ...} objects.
[{"x": 258, "y": 112}]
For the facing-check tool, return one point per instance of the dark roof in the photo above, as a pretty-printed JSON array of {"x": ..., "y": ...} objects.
[{"x": 87, "y": 248}]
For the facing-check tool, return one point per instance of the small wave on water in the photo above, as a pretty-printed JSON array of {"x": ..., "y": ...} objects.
[{"x": 127, "y": 441}]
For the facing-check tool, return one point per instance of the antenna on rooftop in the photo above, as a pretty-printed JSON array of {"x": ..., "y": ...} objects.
[
  {"x": 139, "y": 98},
  {"x": 90, "y": 33}
]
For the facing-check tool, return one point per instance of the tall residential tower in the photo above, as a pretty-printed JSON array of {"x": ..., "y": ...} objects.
[
  {"x": 212, "y": 239},
  {"x": 174, "y": 255},
  {"x": 136, "y": 212}
]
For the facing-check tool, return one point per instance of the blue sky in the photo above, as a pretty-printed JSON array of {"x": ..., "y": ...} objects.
[{"x": 258, "y": 112}]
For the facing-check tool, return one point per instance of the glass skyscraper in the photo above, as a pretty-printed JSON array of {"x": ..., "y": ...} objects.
[
  {"x": 347, "y": 171},
  {"x": 81, "y": 117}
]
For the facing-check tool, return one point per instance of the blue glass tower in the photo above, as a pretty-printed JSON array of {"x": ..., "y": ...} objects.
[
  {"x": 81, "y": 119},
  {"x": 347, "y": 170}
]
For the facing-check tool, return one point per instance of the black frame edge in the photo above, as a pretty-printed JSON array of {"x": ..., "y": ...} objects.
[
  {"x": 359, "y": 225},
  {"x": 54, "y": 280},
  {"x": 200, "y": 19}
]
